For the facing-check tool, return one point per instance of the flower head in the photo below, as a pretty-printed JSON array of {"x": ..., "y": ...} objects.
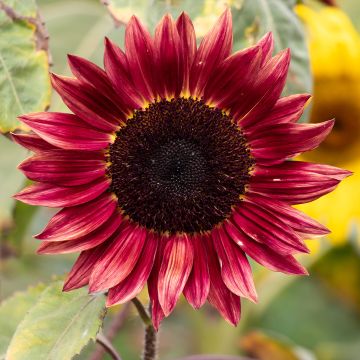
[
  {"x": 331, "y": 35},
  {"x": 174, "y": 168}
]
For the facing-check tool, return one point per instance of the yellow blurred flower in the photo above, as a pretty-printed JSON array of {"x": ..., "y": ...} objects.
[{"x": 334, "y": 48}]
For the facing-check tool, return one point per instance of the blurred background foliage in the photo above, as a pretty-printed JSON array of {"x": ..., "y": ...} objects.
[{"x": 308, "y": 318}]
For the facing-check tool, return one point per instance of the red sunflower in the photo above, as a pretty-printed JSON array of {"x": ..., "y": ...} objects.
[{"x": 174, "y": 167}]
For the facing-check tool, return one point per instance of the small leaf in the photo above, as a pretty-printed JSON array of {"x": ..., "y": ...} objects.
[
  {"x": 12, "y": 311},
  {"x": 58, "y": 326},
  {"x": 24, "y": 63}
]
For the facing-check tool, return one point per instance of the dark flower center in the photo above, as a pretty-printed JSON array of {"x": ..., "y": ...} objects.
[{"x": 179, "y": 166}]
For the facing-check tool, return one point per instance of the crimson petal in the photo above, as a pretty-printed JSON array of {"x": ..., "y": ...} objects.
[
  {"x": 227, "y": 303},
  {"x": 235, "y": 267},
  {"x": 50, "y": 195},
  {"x": 117, "y": 70},
  {"x": 214, "y": 48},
  {"x": 80, "y": 273},
  {"x": 133, "y": 283},
  {"x": 197, "y": 287},
  {"x": 140, "y": 56},
  {"x": 64, "y": 168},
  {"x": 75, "y": 222},
  {"x": 118, "y": 259},
  {"x": 85, "y": 242},
  {"x": 272, "y": 145},
  {"x": 32, "y": 142},
  {"x": 187, "y": 47},
  {"x": 66, "y": 131},
  {"x": 175, "y": 269},
  {"x": 263, "y": 254},
  {"x": 267, "y": 229},
  {"x": 89, "y": 104}
]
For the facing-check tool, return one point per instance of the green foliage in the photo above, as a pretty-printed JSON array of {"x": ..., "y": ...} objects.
[
  {"x": 10, "y": 179},
  {"x": 320, "y": 312},
  {"x": 12, "y": 312},
  {"x": 58, "y": 326},
  {"x": 24, "y": 78}
]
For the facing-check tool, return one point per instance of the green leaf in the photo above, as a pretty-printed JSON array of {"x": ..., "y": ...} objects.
[
  {"x": 12, "y": 312},
  {"x": 24, "y": 63},
  {"x": 320, "y": 312},
  {"x": 256, "y": 17},
  {"x": 150, "y": 11},
  {"x": 11, "y": 179},
  {"x": 58, "y": 326}
]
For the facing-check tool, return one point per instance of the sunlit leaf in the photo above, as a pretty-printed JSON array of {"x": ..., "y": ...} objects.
[
  {"x": 24, "y": 63},
  {"x": 12, "y": 311},
  {"x": 58, "y": 326}
]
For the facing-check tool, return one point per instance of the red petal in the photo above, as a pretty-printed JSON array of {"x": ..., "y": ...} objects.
[
  {"x": 140, "y": 56},
  {"x": 89, "y": 73},
  {"x": 197, "y": 287},
  {"x": 175, "y": 269},
  {"x": 75, "y": 222},
  {"x": 134, "y": 283},
  {"x": 85, "y": 242},
  {"x": 187, "y": 46},
  {"x": 80, "y": 273},
  {"x": 117, "y": 70},
  {"x": 215, "y": 47},
  {"x": 235, "y": 268},
  {"x": 50, "y": 195},
  {"x": 229, "y": 84},
  {"x": 266, "y": 90},
  {"x": 263, "y": 254},
  {"x": 286, "y": 110},
  {"x": 89, "y": 104},
  {"x": 227, "y": 303},
  {"x": 32, "y": 142},
  {"x": 267, "y": 229},
  {"x": 294, "y": 218},
  {"x": 64, "y": 167},
  {"x": 267, "y": 47},
  {"x": 118, "y": 259},
  {"x": 296, "y": 182},
  {"x": 272, "y": 145},
  {"x": 168, "y": 60},
  {"x": 157, "y": 314},
  {"x": 66, "y": 131}
]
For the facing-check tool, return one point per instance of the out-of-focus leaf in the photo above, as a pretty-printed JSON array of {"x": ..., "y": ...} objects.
[
  {"x": 339, "y": 270},
  {"x": 58, "y": 326},
  {"x": 256, "y": 17},
  {"x": 12, "y": 312},
  {"x": 22, "y": 217},
  {"x": 313, "y": 311},
  {"x": 150, "y": 11},
  {"x": 24, "y": 63},
  {"x": 11, "y": 179},
  {"x": 264, "y": 347}
]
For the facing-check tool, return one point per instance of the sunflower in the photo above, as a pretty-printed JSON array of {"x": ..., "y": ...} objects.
[
  {"x": 174, "y": 166},
  {"x": 335, "y": 57}
]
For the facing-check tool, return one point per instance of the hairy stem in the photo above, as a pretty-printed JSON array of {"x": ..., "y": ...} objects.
[{"x": 150, "y": 340}]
